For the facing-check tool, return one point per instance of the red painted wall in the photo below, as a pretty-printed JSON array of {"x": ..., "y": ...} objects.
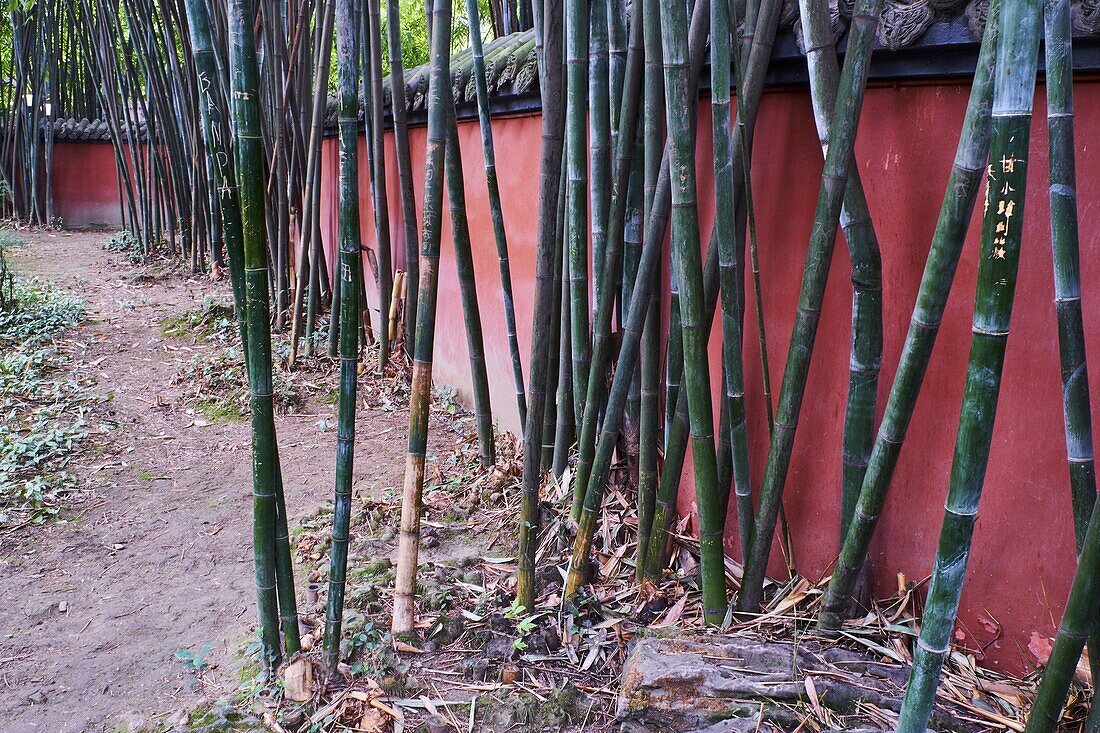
[
  {"x": 1023, "y": 559},
  {"x": 85, "y": 185},
  {"x": 1023, "y": 554}
]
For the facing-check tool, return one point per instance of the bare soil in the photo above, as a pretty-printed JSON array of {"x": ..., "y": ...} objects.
[{"x": 156, "y": 556}]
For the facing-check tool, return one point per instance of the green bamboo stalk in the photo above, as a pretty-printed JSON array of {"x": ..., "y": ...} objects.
[
  {"x": 249, "y": 157},
  {"x": 1002, "y": 227},
  {"x": 733, "y": 380},
  {"x": 548, "y": 30},
  {"x": 632, "y": 250},
  {"x": 632, "y": 331},
  {"x": 464, "y": 262},
  {"x": 215, "y": 133},
  {"x": 676, "y": 437},
  {"x": 859, "y": 233},
  {"x": 834, "y": 180},
  {"x": 653, "y": 115},
  {"x": 679, "y": 121},
  {"x": 563, "y": 427},
  {"x": 613, "y": 247},
  {"x": 495, "y": 209},
  {"x": 1078, "y": 624},
  {"x": 1067, "y": 264},
  {"x": 558, "y": 418},
  {"x": 404, "y": 168},
  {"x": 939, "y": 273},
  {"x": 439, "y": 95},
  {"x": 576, "y": 231},
  {"x": 347, "y": 78},
  {"x": 380, "y": 198},
  {"x": 599, "y": 141}
]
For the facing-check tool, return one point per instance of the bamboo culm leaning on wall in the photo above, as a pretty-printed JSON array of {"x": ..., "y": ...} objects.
[
  {"x": 1002, "y": 227},
  {"x": 834, "y": 180},
  {"x": 939, "y": 272},
  {"x": 439, "y": 90}
]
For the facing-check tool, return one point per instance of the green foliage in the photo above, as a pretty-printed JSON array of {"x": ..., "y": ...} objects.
[
  {"x": 414, "y": 34},
  {"x": 368, "y": 649},
  {"x": 44, "y": 421},
  {"x": 213, "y": 320},
  {"x": 216, "y": 385},
  {"x": 194, "y": 662},
  {"x": 127, "y": 243}
]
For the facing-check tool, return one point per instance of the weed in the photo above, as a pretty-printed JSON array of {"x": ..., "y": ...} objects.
[
  {"x": 216, "y": 386},
  {"x": 127, "y": 243},
  {"x": 45, "y": 422},
  {"x": 213, "y": 320},
  {"x": 194, "y": 662}
]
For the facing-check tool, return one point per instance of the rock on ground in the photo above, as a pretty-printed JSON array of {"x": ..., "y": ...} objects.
[{"x": 745, "y": 684}]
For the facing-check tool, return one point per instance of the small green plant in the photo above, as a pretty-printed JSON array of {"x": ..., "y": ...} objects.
[
  {"x": 515, "y": 611},
  {"x": 194, "y": 661},
  {"x": 125, "y": 242},
  {"x": 364, "y": 647}
]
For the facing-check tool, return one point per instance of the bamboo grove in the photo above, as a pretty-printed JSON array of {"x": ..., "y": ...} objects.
[{"x": 229, "y": 102}]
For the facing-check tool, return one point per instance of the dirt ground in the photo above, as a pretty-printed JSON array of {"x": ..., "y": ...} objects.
[{"x": 157, "y": 556}]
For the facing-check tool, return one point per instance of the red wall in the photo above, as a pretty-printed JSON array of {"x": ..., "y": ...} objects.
[
  {"x": 85, "y": 185},
  {"x": 1023, "y": 552}
]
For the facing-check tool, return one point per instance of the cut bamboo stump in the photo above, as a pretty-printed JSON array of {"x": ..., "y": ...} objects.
[{"x": 727, "y": 684}]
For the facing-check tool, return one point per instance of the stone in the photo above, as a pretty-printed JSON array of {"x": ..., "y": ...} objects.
[
  {"x": 743, "y": 683},
  {"x": 298, "y": 680}
]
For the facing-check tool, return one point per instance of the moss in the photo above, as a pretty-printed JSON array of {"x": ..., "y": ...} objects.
[
  {"x": 222, "y": 717},
  {"x": 219, "y": 411},
  {"x": 250, "y": 669}
]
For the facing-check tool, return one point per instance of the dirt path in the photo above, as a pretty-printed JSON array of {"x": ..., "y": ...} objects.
[{"x": 159, "y": 557}]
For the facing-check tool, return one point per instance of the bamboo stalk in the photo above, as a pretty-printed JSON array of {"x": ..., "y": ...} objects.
[
  {"x": 404, "y": 168},
  {"x": 576, "y": 231},
  {"x": 599, "y": 151},
  {"x": 558, "y": 418},
  {"x": 735, "y": 438},
  {"x": 676, "y": 435},
  {"x": 679, "y": 121},
  {"x": 939, "y": 272},
  {"x": 652, "y": 251},
  {"x": 613, "y": 246},
  {"x": 653, "y": 115},
  {"x": 1002, "y": 225},
  {"x": 380, "y": 198},
  {"x": 404, "y": 599},
  {"x": 347, "y": 78},
  {"x": 859, "y": 233},
  {"x": 1065, "y": 249},
  {"x": 495, "y": 208},
  {"x": 548, "y": 30},
  {"x": 249, "y": 152},
  {"x": 1078, "y": 624},
  {"x": 464, "y": 262},
  {"x": 834, "y": 181}
]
